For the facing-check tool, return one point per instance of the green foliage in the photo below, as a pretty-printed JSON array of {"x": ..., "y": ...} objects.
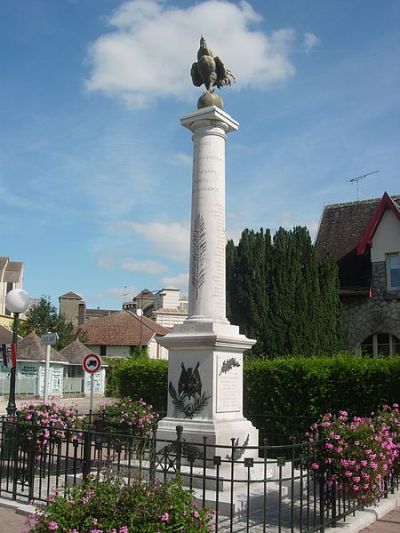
[
  {"x": 356, "y": 454},
  {"x": 111, "y": 505},
  {"x": 292, "y": 390},
  {"x": 126, "y": 416},
  {"x": 139, "y": 352},
  {"x": 143, "y": 378},
  {"x": 42, "y": 318},
  {"x": 310, "y": 386},
  {"x": 279, "y": 294}
]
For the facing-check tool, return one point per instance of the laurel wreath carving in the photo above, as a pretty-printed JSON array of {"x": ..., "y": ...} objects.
[
  {"x": 199, "y": 250},
  {"x": 228, "y": 365},
  {"x": 188, "y": 409},
  {"x": 238, "y": 450}
]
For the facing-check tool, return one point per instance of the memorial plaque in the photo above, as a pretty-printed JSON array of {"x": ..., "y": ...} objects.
[{"x": 229, "y": 384}]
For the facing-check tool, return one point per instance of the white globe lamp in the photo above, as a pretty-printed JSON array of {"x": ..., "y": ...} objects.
[{"x": 17, "y": 301}]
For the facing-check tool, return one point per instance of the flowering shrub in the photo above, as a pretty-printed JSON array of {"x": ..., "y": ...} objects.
[
  {"x": 135, "y": 417},
  {"x": 111, "y": 506},
  {"x": 47, "y": 420},
  {"x": 356, "y": 455}
]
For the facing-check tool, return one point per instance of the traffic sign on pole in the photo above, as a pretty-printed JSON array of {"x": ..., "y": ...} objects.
[{"x": 92, "y": 363}]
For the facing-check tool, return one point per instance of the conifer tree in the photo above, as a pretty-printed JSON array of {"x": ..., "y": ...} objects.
[{"x": 279, "y": 294}]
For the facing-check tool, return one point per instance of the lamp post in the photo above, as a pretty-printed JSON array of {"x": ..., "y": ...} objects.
[{"x": 17, "y": 301}]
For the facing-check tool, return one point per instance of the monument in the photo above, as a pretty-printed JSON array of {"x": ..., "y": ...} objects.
[{"x": 205, "y": 371}]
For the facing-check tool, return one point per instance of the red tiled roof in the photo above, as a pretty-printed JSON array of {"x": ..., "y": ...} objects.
[{"x": 121, "y": 329}]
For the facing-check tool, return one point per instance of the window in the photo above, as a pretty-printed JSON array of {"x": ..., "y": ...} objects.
[
  {"x": 393, "y": 272},
  {"x": 380, "y": 345},
  {"x": 103, "y": 350}
]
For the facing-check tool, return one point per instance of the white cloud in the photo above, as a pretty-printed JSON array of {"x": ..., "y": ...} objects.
[
  {"x": 151, "y": 46},
  {"x": 180, "y": 281},
  {"x": 180, "y": 159},
  {"x": 118, "y": 293},
  {"x": 147, "y": 266},
  {"x": 105, "y": 261},
  {"x": 170, "y": 239},
  {"x": 309, "y": 41}
]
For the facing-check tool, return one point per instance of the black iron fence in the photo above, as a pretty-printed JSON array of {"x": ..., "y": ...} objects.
[{"x": 265, "y": 488}]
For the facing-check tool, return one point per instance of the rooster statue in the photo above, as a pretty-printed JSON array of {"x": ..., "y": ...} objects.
[{"x": 211, "y": 71}]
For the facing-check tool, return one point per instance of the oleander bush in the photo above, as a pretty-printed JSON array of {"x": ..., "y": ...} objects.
[
  {"x": 111, "y": 506},
  {"x": 357, "y": 455},
  {"x": 40, "y": 423},
  {"x": 126, "y": 416}
]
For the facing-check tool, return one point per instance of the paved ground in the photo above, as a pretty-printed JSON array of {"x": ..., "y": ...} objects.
[
  {"x": 11, "y": 521},
  {"x": 390, "y": 523}
]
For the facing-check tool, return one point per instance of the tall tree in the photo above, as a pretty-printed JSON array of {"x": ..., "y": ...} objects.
[
  {"x": 43, "y": 318},
  {"x": 278, "y": 293}
]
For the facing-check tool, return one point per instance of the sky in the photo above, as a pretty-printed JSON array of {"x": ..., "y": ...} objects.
[{"x": 95, "y": 167}]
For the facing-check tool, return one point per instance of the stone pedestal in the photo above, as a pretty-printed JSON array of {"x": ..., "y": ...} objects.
[{"x": 205, "y": 372}]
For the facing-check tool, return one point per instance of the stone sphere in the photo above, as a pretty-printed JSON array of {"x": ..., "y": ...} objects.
[{"x": 209, "y": 99}]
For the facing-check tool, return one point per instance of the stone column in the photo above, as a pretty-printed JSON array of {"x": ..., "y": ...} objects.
[
  {"x": 207, "y": 298},
  {"x": 205, "y": 369}
]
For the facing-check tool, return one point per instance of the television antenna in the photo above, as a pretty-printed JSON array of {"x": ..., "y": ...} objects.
[{"x": 359, "y": 178}]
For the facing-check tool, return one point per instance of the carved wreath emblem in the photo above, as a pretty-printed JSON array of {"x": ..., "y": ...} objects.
[
  {"x": 228, "y": 365},
  {"x": 189, "y": 399}
]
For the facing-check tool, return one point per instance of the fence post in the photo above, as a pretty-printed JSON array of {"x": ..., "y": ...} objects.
[
  {"x": 179, "y": 430},
  {"x": 87, "y": 443},
  {"x": 15, "y": 454},
  {"x": 153, "y": 453},
  {"x": 322, "y": 504}
]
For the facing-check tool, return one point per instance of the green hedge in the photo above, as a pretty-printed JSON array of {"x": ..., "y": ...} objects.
[
  {"x": 143, "y": 378},
  {"x": 298, "y": 388}
]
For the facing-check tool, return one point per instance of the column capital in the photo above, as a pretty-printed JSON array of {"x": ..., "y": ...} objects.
[{"x": 209, "y": 116}]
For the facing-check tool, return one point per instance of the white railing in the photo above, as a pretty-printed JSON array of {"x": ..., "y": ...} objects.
[
  {"x": 23, "y": 386},
  {"x": 73, "y": 386}
]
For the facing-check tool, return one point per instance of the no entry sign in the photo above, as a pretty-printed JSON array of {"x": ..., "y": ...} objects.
[{"x": 91, "y": 363}]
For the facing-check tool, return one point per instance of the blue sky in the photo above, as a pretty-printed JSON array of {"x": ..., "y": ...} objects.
[{"x": 95, "y": 168}]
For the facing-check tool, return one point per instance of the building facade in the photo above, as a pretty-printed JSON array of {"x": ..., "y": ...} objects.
[{"x": 364, "y": 239}]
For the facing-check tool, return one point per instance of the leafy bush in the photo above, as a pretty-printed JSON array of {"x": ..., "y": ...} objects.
[
  {"x": 357, "y": 454},
  {"x": 111, "y": 506},
  {"x": 147, "y": 379},
  {"x": 283, "y": 396},
  {"x": 135, "y": 417},
  {"x": 47, "y": 420},
  {"x": 302, "y": 387}
]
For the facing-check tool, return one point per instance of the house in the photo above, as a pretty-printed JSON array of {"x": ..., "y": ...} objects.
[
  {"x": 117, "y": 334},
  {"x": 364, "y": 239},
  {"x": 73, "y": 307},
  {"x": 76, "y": 381},
  {"x": 166, "y": 306},
  {"x": 30, "y": 370},
  {"x": 11, "y": 277}
]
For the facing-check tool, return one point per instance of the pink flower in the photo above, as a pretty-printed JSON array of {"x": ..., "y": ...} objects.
[
  {"x": 53, "y": 526},
  {"x": 315, "y": 466},
  {"x": 196, "y": 514},
  {"x": 165, "y": 517}
]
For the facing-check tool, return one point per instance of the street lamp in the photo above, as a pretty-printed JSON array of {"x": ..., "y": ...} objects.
[{"x": 17, "y": 301}]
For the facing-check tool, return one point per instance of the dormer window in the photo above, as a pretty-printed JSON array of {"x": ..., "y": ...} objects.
[{"x": 393, "y": 271}]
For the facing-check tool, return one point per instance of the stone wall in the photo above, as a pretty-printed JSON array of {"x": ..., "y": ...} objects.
[{"x": 363, "y": 316}]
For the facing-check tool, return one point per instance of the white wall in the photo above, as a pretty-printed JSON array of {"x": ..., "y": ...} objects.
[{"x": 386, "y": 239}]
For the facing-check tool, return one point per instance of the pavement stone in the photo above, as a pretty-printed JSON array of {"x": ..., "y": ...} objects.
[{"x": 12, "y": 520}]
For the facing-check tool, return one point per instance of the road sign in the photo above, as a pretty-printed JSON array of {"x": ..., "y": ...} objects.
[
  {"x": 91, "y": 363},
  {"x": 49, "y": 338}
]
